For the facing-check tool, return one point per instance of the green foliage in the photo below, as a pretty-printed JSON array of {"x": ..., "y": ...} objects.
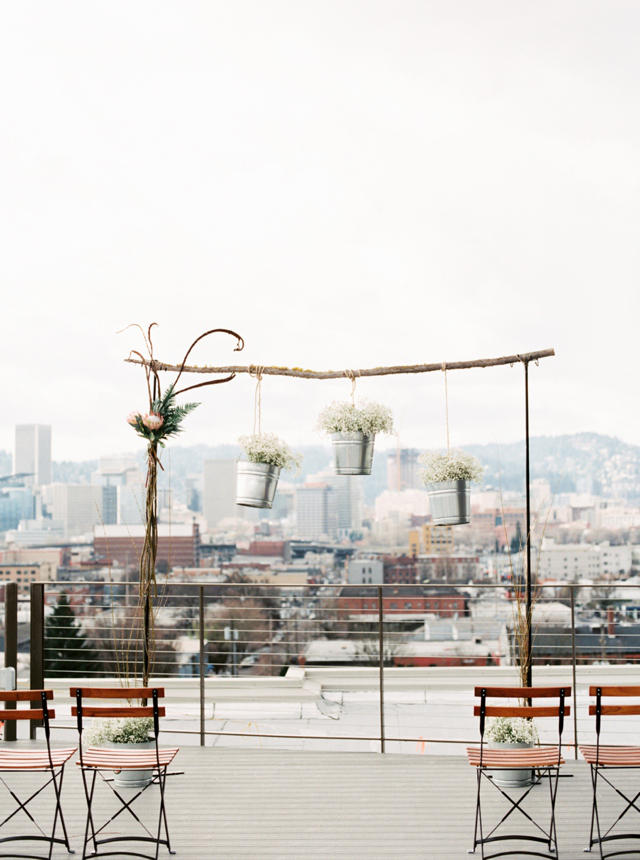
[
  {"x": 171, "y": 414},
  {"x": 66, "y": 650}
]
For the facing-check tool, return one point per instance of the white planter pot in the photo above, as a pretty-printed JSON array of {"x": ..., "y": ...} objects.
[
  {"x": 353, "y": 453},
  {"x": 256, "y": 484},
  {"x": 132, "y": 778},
  {"x": 511, "y": 777},
  {"x": 450, "y": 503}
]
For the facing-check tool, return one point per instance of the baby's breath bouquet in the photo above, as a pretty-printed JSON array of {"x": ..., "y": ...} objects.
[
  {"x": 453, "y": 466},
  {"x": 344, "y": 417},
  {"x": 130, "y": 730},
  {"x": 267, "y": 448},
  {"x": 511, "y": 730}
]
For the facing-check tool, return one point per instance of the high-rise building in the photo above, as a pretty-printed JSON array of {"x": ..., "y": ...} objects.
[
  {"x": 123, "y": 492},
  {"x": 316, "y": 515},
  {"x": 219, "y": 501},
  {"x": 345, "y": 502},
  {"x": 16, "y": 503},
  {"x": 32, "y": 453},
  {"x": 76, "y": 506},
  {"x": 403, "y": 470}
]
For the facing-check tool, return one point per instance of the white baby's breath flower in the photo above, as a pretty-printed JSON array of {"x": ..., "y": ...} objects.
[
  {"x": 129, "y": 730},
  {"x": 454, "y": 466},
  {"x": 511, "y": 730},
  {"x": 267, "y": 448},
  {"x": 343, "y": 417}
]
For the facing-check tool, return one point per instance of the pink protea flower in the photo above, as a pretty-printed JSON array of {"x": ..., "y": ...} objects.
[
  {"x": 153, "y": 421},
  {"x": 132, "y": 418}
]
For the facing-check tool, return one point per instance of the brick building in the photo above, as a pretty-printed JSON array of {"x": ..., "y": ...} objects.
[
  {"x": 421, "y": 599},
  {"x": 178, "y": 545}
]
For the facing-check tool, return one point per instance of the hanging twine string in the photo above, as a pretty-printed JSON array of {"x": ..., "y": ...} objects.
[
  {"x": 257, "y": 371},
  {"x": 446, "y": 404},
  {"x": 351, "y": 374}
]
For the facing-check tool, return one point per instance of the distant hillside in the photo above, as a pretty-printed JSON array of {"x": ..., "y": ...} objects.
[{"x": 581, "y": 462}]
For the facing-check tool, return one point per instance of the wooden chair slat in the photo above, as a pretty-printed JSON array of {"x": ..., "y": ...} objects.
[
  {"x": 126, "y": 693},
  {"x": 24, "y": 695},
  {"x": 616, "y": 710},
  {"x": 624, "y": 690},
  {"x": 521, "y": 711},
  {"x": 106, "y": 711},
  {"x": 522, "y": 692},
  {"x": 25, "y": 714}
]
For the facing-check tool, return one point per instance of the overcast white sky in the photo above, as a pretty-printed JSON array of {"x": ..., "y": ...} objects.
[{"x": 345, "y": 183}]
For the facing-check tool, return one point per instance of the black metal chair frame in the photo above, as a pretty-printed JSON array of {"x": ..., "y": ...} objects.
[
  {"x": 56, "y": 772},
  {"x": 540, "y": 771},
  {"x": 597, "y": 771},
  {"x": 160, "y": 774}
]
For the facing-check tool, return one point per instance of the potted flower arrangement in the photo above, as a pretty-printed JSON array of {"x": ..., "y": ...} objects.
[
  {"x": 130, "y": 733},
  {"x": 447, "y": 478},
  {"x": 257, "y": 476},
  {"x": 511, "y": 733},
  {"x": 353, "y": 431}
]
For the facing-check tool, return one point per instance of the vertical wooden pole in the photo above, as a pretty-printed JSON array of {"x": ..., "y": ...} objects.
[
  {"x": 10, "y": 646},
  {"x": 201, "y": 618},
  {"x": 36, "y": 681},
  {"x": 381, "y": 664},
  {"x": 528, "y": 527}
]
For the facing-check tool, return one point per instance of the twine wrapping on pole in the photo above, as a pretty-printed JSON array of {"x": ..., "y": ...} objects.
[
  {"x": 446, "y": 404},
  {"x": 256, "y": 370},
  {"x": 351, "y": 374}
]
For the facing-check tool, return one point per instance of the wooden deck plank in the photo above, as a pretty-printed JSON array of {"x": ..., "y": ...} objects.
[{"x": 234, "y": 803}]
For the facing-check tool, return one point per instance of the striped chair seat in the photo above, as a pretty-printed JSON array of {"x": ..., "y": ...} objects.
[
  {"x": 26, "y": 759},
  {"x": 529, "y": 757},
  {"x": 611, "y": 755},
  {"x": 118, "y": 759}
]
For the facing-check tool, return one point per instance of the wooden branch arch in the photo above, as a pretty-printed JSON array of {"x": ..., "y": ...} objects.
[{"x": 301, "y": 373}]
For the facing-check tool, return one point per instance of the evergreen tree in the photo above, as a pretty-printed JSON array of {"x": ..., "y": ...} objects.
[
  {"x": 66, "y": 650},
  {"x": 517, "y": 544}
]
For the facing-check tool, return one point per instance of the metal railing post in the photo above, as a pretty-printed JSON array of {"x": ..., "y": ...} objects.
[
  {"x": 36, "y": 680},
  {"x": 381, "y": 663},
  {"x": 573, "y": 670},
  {"x": 10, "y": 646},
  {"x": 202, "y": 664}
]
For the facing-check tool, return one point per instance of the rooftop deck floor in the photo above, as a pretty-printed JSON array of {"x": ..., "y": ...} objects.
[{"x": 233, "y": 803}]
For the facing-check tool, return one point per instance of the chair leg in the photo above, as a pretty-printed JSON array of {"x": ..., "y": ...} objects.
[
  {"x": 553, "y": 792},
  {"x": 57, "y": 787},
  {"x": 162, "y": 778},
  {"x": 89, "y": 798},
  {"x": 594, "y": 771}
]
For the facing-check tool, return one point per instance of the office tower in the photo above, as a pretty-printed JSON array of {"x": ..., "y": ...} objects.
[
  {"x": 316, "y": 515},
  {"x": 123, "y": 491},
  {"x": 76, "y": 506},
  {"x": 403, "y": 469},
  {"x": 219, "y": 500},
  {"x": 32, "y": 453}
]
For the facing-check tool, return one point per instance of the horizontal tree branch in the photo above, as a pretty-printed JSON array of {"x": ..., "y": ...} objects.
[{"x": 301, "y": 373}]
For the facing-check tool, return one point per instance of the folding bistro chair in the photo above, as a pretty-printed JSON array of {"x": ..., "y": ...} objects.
[
  {"x": 605, "y": 760},
  {"x": 95, "y": 762},
  {"x": 544, "y": 761},
  {"x": 17, "y": 760}
]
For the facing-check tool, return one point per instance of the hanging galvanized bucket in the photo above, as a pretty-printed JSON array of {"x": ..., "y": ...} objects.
[
  {"x": 256, "y": 484},
  {"x": 450, "y": 503},
  {"x": 353, "y": 453}
]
